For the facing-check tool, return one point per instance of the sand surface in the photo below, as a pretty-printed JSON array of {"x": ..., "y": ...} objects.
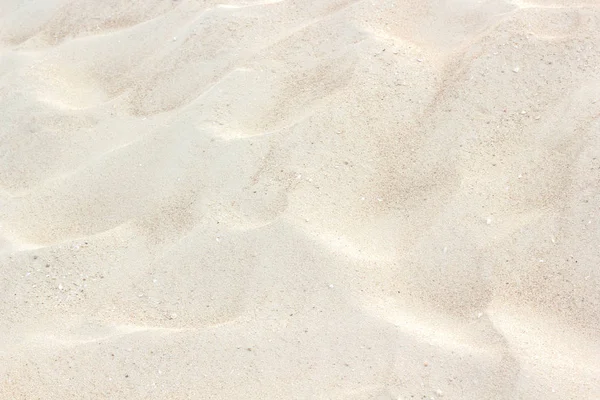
[{"x": 328, "y": 199}]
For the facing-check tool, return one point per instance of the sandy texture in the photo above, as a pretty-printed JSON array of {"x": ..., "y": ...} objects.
[{"x": 326, "y": 199}]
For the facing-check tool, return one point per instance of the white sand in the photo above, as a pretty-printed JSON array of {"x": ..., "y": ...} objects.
[{"x": 299, "y": 199}]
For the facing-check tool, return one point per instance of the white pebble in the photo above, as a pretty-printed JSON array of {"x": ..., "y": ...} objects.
[
  {"x": 516, "y": 69},
  {"x": 439, "y": 392},
  {"x": 489, "y": 221}
]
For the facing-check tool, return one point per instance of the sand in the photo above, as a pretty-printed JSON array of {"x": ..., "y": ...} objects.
[{"x": 327, "y": 199}]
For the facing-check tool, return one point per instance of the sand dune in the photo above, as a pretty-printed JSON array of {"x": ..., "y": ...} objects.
[{"x": 284, "y": 199}]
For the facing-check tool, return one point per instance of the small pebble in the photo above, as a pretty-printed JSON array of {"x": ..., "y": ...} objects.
[
  {"x": 439, "y": 392},
  {"x": 516, "y": 69}
]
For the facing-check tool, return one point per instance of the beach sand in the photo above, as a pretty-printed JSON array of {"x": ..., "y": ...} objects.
[{"x": 327, "y": 199}]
